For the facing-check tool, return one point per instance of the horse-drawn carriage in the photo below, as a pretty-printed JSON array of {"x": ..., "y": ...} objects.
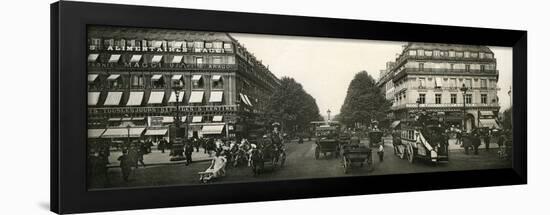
[
  {"x": 356, "y": 154},
  {"x": 327, "y": 141},
  {"x": 376, "y": 138},
  {"x": 416, "y": 140},
  {"x": 267, "y": 152}
]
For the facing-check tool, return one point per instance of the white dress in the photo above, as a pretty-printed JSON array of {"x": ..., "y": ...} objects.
[{"x": 219, "y": 167}]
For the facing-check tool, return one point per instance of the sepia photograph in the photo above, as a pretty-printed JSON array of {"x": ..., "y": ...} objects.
[{"x": 171, "y": 107}]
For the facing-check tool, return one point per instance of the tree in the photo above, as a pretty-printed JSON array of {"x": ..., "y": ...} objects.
[
  {"x": 292, "y": 106},
  {"x": 507, "y": 121},
  {"x": 364, "y": 101}
]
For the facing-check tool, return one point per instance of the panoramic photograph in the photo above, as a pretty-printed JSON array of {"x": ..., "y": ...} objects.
[{"x": 176, "y": 107}]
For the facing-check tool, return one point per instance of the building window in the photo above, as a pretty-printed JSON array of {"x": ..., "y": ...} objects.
[
  {"x": 459, "y": 54},
  {"x": 436, "y": 53},
  {"x": 488, "y": 55},
  {"x": 217, "y": 82},
  {"x": 473, "y": 55},
  {"x": 468, "y": 98},
  {"x": 218, "y": 45},
  {"x": 115, "y": 82},
  {"x": 421, "y": 52},
  {"x": 198, "y": 60},
  {"x": 216, "y": 60},
  {"x": 467, "y": 67},
  {"x": 483, "y": 98},
  {"x": 157, "y": 82},
  {"x": 137, "y": 82},
  {"x": 438, "y": 98},
  {"x": 438, "y": 83},
  {"x": 197, "y": 82},
  {"x": 421, "y": 82},
  {"x": 452, "y": 54},
  {"x": 422, "y": 98},
  {"x": 95, "y": 43},
  {"x": 208, "y": 45},
  {"x": 421, "y": 66},
  {"x": 482, "y": 68},
  {"x": 453, "y": 98},
  {"x": 412, "y": 52},
  {"x": 177, "y": 81},
  {"x": 468, "y": 83},
  {"x": 483, "y": 83},
  {"x": 466, "y": 54}
]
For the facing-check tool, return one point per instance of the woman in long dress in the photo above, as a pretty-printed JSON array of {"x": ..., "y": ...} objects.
[{"x": 216, "y": 168}]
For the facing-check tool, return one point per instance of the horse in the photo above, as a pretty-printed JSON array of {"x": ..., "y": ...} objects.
[{"x": 471, "y": 141}]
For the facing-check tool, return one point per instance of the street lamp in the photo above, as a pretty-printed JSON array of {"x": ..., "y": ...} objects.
[
  {"x": 177, "y": 147},
  {"x": 464, "y": 89},
  {"x": 177, "y": 90},
  {"x": 328, "y": 113}
]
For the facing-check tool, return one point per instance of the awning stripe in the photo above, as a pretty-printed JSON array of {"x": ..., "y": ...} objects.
[
  {"x": 217, "y": 118},
  {"x": 135, "y": 99},
  {"x": 197, "y": 119},
  {"x": 135, "y": 58},
  {"x": 216, "y": 96},
  {"x": 176, "y": 77},
  {"x": 122, "y": 132},
  {"x": 156, "y": 132},
  {"x": 113, "y": 98},
  {"x": 177, "y": 59},
  {"x": 92, "y": 77},
  {"x": 196, "y": 97},
  {"x": 156, "y": 77},
  {"x": 212, "y": 129},
  {"x": 196, "y": 77},
  {"x": 173, "y": 96},
  {"x": 113, "y": 77},
  {"x": 216, "y": 77},
  {"x": 156, "y": 97},
  {"x": 93, "y": 98},
  {"x": 95, "y": 133},
  {"x": 156, "y": 58},
  {"x": 93, "y": 57},
  {"x": 114, "y": 58}
]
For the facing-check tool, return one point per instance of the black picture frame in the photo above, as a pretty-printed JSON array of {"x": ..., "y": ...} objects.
[{"x": 68, "y": 106}]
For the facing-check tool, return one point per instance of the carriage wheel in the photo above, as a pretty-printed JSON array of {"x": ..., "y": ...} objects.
[
  {"x": 410, "y": 154},
  {"x": 317, "y": 152}
]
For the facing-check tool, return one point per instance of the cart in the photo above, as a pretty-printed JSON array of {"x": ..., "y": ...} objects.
[
  {"x": 327, "y": 141},
  {"x": 375, "y": 138},
  {"x": 354, "y": 154}
]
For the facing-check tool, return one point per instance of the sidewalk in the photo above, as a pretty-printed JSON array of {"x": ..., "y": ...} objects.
[{"x": 158, "y": 158}]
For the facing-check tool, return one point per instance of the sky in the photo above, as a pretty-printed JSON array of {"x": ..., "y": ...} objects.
[{"x": 326, "y": 66}]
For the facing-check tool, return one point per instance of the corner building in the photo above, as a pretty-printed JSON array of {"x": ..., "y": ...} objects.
[
  {"x": 428, "y": 77},
  {"x": 132, "y": 72}
]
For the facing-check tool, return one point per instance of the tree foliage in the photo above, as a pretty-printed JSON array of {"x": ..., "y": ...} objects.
[
  {"x": 507, "y": 121},
  {"x": 364, "y": 101},
  {"x": 292, "y": 106}
]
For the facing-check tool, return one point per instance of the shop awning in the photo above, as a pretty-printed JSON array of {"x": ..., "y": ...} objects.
[
  {"x": 197, "y": 119},
  {"x": 95, "y": 133},
  {"x": 196, "y": 77},
  {"x": 135, "y": 99},
  {"x": 114, "y": 58},
  {"x": 156, "y": 132},
  {"x": 156, "y": 77},
  {"x": 216, "y": 96},
  {"x": 395, "y": 124},
  {"x": 170, "y": 119},
  {"x": 196, "y": 97},
  {"x": 486, "y": 113},
  {"x": 248, "y": 100},
  {"x": 113, "y": 98},
  {"x": 156, "y": 97},
  {"x": 243, "y": 99},
  {"x": 113, "y": 77},
  {"x": 177, "y": 59},
  {"x": 156, "y": 58},
  {"x": 176, "y": 77},
  {"x": 217, "y": 119},
  {"x": 212, "y": 129},
  {"x": 173, "y": 96},
  {"x": 92, "y": 77},
  {"x": 122, "y": 132},
  {"x": 489, "y": 123},
  {"x": 93, "y": 97},
  {"x": 135, "y": 58},
  {"x": 216, "y": 77},
  {"x": 93, "y": 57}
]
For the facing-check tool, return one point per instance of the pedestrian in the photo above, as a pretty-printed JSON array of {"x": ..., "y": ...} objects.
[
  {"x": 161, "y": 145},
  {"x": 381, "y": 152},
  {"x": 125, "y": 164},
  {"x": 142, "y": 149},
  {"x": 487, "y": 140},
  {"x": 188, "y": 153},
  {"x": 500, "y": 142}
]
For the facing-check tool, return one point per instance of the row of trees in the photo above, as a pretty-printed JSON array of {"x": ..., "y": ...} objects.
[
  {"x": 292, "y": 106},
  {"x": 364, "y": 102}
]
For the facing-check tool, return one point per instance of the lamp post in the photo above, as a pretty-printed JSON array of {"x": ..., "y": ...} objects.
[
  {"x": 464, "y": 89},
  {"x": 177, "y": 147},
  {"x": 128, "y": 129},
  {"x": 177, "y": 118},
  {"x": 328, "y": 114}
]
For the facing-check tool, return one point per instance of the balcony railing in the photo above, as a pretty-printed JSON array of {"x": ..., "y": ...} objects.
[{"x": 443, "y": 105}]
